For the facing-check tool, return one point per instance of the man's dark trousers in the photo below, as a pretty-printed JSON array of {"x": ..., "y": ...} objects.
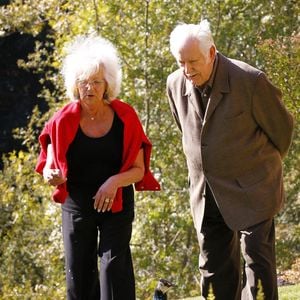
[{"x": 220, "y": 259}]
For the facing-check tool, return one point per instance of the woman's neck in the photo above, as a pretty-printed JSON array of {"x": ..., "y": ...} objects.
[{"x": 94, "y": 111}]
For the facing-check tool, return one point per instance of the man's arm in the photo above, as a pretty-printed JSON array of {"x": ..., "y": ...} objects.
[
  {"x": 271, "y": 114},
  {"x": 172, "y": 104}
]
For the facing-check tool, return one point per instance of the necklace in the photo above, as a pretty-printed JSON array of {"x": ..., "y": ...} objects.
[
  {"x": 99, "y": 113},
  {"x": 93, "y": 117}
]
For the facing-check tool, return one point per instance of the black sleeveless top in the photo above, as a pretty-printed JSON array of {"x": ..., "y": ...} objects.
[{"x": 91, "y": 161}]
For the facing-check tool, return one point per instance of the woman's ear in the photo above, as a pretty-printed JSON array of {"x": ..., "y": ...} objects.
[
  {"x": 76, "y": 93},
  {"x": 105, "y": 95}
]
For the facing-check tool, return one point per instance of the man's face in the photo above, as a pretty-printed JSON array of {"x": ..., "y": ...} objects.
[{"x": 196, "y": 67}]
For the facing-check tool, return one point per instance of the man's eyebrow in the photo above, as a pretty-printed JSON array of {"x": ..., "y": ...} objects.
[{"x": 189, "y": 60}]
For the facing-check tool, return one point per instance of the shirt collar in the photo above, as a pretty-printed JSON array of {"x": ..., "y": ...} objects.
[{"x": 208, "y": 85}]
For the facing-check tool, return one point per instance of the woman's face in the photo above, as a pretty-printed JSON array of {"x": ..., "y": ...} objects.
[{"x": 92, "y": 89}]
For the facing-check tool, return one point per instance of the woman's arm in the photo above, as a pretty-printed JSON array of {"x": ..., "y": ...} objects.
[
  {"x": 51, "y": 175},
  {"x": 109, "y": 188}
]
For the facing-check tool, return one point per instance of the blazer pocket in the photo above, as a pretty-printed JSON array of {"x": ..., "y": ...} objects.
[
  {"x": 259, "y": 188},
  {"x": 252, "y": 178},
  {"x": 234, "y": 115}
]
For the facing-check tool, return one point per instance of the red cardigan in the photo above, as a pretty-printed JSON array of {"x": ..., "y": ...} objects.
[{"x": 61, "y": 130}]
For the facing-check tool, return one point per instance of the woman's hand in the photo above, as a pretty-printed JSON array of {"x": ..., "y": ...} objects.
[
  {"x": 53, "y": 176},
  {"x": 105, "y": 195}
]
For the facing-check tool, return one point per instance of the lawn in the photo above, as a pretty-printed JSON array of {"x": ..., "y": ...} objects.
[{"x": 289, "y": 292}]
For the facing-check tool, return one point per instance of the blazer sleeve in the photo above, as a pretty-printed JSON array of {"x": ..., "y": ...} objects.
[
  {"x": 170, "y": 95},
  {"x": 271, "y": 114}
]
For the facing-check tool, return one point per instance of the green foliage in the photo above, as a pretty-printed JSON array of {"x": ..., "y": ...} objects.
[
  {"x": 210, "y": 295},
  {"x": 287, "y": 245},
  {"x": 31, "y": 251},
  {"x": 164, "y": 243},
  {"x": 260, "y": 291}
]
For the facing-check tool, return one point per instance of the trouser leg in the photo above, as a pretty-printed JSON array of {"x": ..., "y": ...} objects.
[
  {"x": 219, "y": 259},
  {"x": 258, "y": 248},
  {"x": 116, "y": 269},
  {"x": 80, "y": 243}
]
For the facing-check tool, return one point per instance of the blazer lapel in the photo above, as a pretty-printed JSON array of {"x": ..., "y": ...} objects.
[
  {"x": 189, "y": 91},
  {"x": 213, "y": 102},
  {"x": 220, "y": 87}
]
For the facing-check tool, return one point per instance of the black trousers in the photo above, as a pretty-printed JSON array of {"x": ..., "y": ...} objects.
[
  {"x": 105, "y": 234},
  {"x": 220, "y": 262}
]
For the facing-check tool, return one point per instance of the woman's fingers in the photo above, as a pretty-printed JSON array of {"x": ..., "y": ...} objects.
[
  {"x": 53, "y": 176},
  {"x": 102, "y": 203}
]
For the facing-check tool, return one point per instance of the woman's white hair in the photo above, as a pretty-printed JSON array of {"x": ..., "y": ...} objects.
[
  {"x": 86, "y": 55},
  {"x": 183, "y": 32}
]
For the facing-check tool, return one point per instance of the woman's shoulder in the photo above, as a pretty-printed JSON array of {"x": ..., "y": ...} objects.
[
  {"x": 122, "y": 107},
  {"x": 125, "y": 112},
  {"x": 67, "y": 110}
]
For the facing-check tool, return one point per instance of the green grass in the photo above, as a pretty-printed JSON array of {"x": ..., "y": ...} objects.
[{"x": 290, "y": 292}]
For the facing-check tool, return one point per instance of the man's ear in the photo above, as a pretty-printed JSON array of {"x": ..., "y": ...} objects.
[{"x": 212, "y": 52}]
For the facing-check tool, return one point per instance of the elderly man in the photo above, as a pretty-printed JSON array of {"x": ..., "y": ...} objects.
[{"x": 235, "y": 133}]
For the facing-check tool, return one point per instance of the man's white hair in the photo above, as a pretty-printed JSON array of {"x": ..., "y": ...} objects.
[
  {"x": 183, "y": 32},
  {"x": 87, "y": 55}
]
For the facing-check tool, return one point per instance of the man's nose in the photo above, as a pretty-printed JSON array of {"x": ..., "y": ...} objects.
[{"x": 187, "y": 68}]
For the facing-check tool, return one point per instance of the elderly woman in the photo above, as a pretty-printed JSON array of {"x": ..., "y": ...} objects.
[{"x": 93, "y": 150}]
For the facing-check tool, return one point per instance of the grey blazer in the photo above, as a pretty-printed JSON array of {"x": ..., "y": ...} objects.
[{"x": 237, "y": 146}]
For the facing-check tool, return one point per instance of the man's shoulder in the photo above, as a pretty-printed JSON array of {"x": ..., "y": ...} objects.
[
  {"x": 175, "y": 77},
  {"x": 238, "y": 65},
  {"x": 245, "y": 66}
]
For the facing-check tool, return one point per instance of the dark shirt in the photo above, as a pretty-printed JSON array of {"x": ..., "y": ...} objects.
[
  {"x": 203, "y": 92},
  {"x": 91, "y": 161}
]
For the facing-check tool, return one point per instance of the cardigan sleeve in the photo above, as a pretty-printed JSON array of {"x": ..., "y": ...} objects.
[
  {"x": 59, "y": 131},
  {"x": 134, "y": 138},
  {"x": 148, "y": 182},
  {"x": 44, "y": 140}
]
